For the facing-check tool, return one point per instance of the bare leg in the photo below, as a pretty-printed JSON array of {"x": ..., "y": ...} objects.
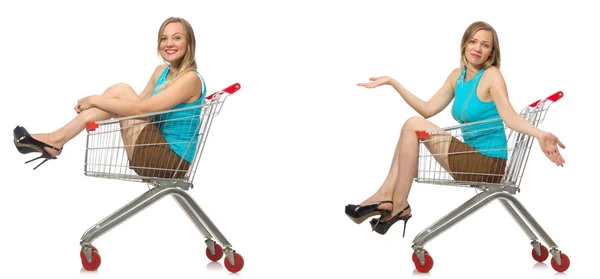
[
  {"x": 386, "y": 190},
  {"x": 397, "y": 185},
  {"x": 60, "y": 137}
]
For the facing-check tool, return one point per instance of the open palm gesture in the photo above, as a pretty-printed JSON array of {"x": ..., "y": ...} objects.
[
  {"x": 549, "y": 144},
  {"x": 376, "y": 81}
]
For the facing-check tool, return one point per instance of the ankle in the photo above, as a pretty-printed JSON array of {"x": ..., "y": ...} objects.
[
  {"x": 56, "y": 139},
  {"x": 384, "y": 192},
  {"x": 401, "y": 205}
]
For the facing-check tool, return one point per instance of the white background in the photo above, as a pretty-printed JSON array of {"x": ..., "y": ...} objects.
[{"x": 298, "y": 142}]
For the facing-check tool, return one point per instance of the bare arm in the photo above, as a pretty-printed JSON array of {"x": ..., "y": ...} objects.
[
  {"x": 508, "y": 114},
  {"x": 440, "y": 100},
  {"x": 548, "y": 141},
  {"x": 427, "y": 109},
  {"x": 179, "y": 91},
  {"x": 147, "y": 92}
]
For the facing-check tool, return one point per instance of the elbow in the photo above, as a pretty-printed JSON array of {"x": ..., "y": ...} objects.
[{"x": 426, "y": 112}]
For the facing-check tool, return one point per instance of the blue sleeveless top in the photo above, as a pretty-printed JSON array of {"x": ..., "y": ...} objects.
[
  {"x": 489, "y": 138},
  {"x": 180, "y": 128}
]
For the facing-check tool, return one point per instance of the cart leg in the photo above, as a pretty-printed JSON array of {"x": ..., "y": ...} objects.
[
  {"x": 476, "y": 203},
  {"x": 554, "y": 251},
  {"x": 454, "y": 217},
  {"x": 519, "y": 220},
  {"x": 524, "y": 226},
  {"x": 193, "y": 217},
  {"x": 197, "y": 222},
  {"x": 188, "y": 204},
  {"x": 123, "y": 214},
  {"x": 197, "y": 214}
]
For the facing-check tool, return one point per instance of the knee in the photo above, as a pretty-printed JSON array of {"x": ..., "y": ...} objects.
[
  {"x": 117, "y": 89},
  {"x": 88, "y": 117},
  {"x": 412, "y": 123}
]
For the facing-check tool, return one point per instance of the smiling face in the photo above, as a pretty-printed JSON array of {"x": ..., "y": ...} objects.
[
  {"x": 480, "y": 47},
  {"x": 173, "y": 42}
]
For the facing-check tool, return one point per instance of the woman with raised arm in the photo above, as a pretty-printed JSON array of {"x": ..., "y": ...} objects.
[{"x": 479, "y": 93}]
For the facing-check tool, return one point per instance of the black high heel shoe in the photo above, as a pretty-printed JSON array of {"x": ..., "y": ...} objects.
[
  {"x": 382, "y": 227},
  {"x": 27, "y": 144},
  {"x": 359, "y": 214}
]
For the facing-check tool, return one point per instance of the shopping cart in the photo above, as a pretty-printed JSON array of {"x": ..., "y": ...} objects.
[
  {"x": 490, "y": 184},
  {"x": 109, "y": 154}
]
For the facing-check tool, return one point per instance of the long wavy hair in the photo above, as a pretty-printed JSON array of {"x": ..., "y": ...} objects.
[
  {"x": 494, "y": 59},
  {"x": 188, "y": 61}
]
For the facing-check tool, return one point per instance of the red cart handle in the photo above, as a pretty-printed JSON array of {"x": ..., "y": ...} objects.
[
  {"x": 422, "y": 135},
  {"x": 91, "y": 126},
  {"x": 231, "y": 89},
  {"x": 554, "y": 97}
]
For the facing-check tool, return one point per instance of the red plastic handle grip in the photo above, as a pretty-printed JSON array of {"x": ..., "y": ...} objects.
[
  {"x": 554, "y": 97},
  {"x": 231, "y": 89},
  {"x": 91, "y": 126},
  {"x": 422, "y": 135}
]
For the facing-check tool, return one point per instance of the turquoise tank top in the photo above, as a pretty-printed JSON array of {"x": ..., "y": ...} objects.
[
  {"x": 180, "y": 128},
  {"x": 489, "y": 138}
]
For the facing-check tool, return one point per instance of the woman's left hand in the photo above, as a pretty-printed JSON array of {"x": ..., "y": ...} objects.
[{"x": 548, "y": 143}]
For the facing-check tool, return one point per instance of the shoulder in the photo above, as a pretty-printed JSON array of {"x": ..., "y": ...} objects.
[
  {"x": 492, "y": 74},
  {"x": 454, "y": 74},
  {"x": 192, "y": 75},
  {"x": 157, "y": 71},
  {"x": 493, "y": 79},
  {"x": 190, "y": 79}
]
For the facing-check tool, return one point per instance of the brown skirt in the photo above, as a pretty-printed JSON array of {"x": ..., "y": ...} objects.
[
  {"x": 469, "y": 165},
  {"x": 153, "y": 157}
]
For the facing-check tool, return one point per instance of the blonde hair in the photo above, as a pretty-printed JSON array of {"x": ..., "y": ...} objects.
[
  {"x": 494, "y": 59},
  {"x": 188, "y": 61}
]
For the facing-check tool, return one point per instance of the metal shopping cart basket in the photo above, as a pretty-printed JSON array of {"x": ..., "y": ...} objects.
[
  {"x": 109, "y": 154},
  {"x": 489, "y": 184}
]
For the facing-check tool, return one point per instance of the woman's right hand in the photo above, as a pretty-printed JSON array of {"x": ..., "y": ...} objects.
[
  {"x": 376, "y": 81},
  {"x": 83, "y": 104},
  {"x": 77, "y": 107}
]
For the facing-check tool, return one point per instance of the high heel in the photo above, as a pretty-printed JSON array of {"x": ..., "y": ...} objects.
[
  {"x": 359, "y": 214},
  {"x": 46, "y": 156},
  {"x": 26, "y": 144},
  {"x": 382, "y": 227}
]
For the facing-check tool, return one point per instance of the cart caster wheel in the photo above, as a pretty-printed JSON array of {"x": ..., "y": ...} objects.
[
  {"x": 94, "y": 248},
  {"x": 217, "y": 255},
  {"x": 565, "y": 263},
  {"x": 428, "y": 262},
  {"x": 239, "y": 263},
  {"x": 543, "y": 256},
  {"x": 96, "y": 260},
  {"x": 416, "y": 259}
]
